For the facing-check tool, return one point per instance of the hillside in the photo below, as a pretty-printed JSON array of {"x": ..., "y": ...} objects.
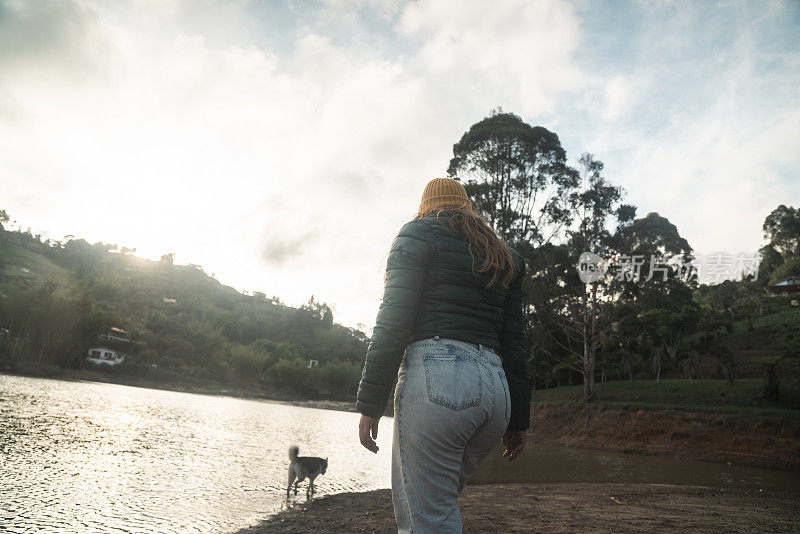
[
  {"x": 187, "y": 328},
  {"x": 743, "y": 396},
  {"x": 749, "y": 343}
]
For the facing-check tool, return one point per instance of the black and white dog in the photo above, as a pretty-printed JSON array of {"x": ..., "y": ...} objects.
[{"x": 302, "y": 467}]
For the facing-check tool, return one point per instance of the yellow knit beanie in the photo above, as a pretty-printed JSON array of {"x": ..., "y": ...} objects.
[{"x": 444, "y": 192}]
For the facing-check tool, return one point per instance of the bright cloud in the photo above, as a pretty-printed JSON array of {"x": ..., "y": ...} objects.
[{"x": 281, "y": 146}]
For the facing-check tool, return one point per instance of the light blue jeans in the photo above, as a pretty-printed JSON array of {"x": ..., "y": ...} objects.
[{"x": 451, "y": 408}]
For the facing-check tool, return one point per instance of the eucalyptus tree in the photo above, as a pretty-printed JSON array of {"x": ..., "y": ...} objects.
[
  {"x": 782, "y": 228},
  {"x": 516, "y": 176},
  {"x": 655, "y": 275},
  {"x": 656, "y": 261},
  {"x": 597, "y": 208},
  {"x": 574, "y": 313},
  {"x": 780, "y": 257}
]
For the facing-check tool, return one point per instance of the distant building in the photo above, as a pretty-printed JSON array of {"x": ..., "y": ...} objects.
[
  {"x": 312, "y": 363},
  {"x": 115, "y": 334},
  {"x": 105, "y": 355},
  {"x": 169, "y": 301},
  {"x": 168, "y": 259},
  {"x": 110, "y": 348},
  {"x": 785, "y": 288}
]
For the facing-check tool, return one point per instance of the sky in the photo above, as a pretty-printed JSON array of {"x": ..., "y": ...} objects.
[{"x": 282, "y": 144}]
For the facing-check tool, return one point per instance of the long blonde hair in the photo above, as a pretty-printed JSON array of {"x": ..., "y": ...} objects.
[{"x": 480, "y": 238}]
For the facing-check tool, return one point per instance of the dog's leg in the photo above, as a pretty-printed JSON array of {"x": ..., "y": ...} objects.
[
  {"x": 291, "y": 480},
  {"x": 311, "y": 485}
]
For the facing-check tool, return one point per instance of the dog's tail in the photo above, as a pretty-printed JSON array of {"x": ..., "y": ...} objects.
[{"x": 293, "y": 452}]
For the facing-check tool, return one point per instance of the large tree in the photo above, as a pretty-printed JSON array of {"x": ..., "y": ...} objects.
[
  {"x": 571, "y": 315},
  {"x": 661, "y": 287},
  {"x": 780, "y": 257},
  {"x": 597, "y": 207},
  {"x": 656, "y": 252},
  {"x": 516, "y": 175},
  {"x": 782, "y": 228}
]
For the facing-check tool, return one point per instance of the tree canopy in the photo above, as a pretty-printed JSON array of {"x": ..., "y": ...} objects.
[{"x": 516, "y": 176}]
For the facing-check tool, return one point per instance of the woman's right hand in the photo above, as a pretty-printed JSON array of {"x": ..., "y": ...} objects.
[
  {"x": 514, "y": 440},
  {"x": 368, "y": 432}
]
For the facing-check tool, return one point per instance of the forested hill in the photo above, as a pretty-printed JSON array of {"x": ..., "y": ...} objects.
[{"x": 57, "y": 298}]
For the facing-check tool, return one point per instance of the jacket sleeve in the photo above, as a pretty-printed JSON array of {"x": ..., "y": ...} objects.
[
  {"x": 512, "y": 342},
  {"x": 404, "y": 283}
]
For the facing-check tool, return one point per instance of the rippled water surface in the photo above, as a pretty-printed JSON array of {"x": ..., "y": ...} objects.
[{"x": 91, "y": 457}]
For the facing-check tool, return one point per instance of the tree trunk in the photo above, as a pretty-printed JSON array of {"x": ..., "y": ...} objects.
[
  {"x": 16, "y": 342},
  {"x": 588, "y": 384},
  {"x": 585, "y": 325},
  {"x": 657, "y": 364},
  {"x": 771, "y": 392},
  {"x": 588, "y": 347}
]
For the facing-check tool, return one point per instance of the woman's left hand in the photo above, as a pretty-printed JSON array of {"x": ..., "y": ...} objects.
[
  {"x": 514, "y": 440},
  {"x": 368, "y": 432}
]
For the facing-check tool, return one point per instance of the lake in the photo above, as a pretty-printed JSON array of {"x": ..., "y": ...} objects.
[{"x": 93, "y": 457}]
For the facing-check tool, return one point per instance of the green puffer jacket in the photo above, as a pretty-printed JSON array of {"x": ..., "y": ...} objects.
[{"x": 431, "y": 290}]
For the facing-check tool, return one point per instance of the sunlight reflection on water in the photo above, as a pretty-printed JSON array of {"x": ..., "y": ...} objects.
[{"x": 91, "y": 457}]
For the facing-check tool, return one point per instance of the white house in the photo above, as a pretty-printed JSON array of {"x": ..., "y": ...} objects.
[
  {"x": 105, "y": 355},
  {"x": 110, "y": 348}
]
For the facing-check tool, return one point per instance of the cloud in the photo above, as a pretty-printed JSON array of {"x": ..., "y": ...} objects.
[
  {"x": 281, "y": 146},
  {"x": 279, "y": 249},
  {"x": 707, "y": 124},
  {"x": 515, "y": 52},
  {"x": 618, "y": 95},
  {"x": 47, "y": 37}
]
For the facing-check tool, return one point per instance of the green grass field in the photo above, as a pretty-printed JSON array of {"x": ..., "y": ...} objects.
[
  {"x": 14, "y": 259},
  {"x": 778, "y": 317},
  {"x": 678, "y": 394},
  {"x": 782, "y": 317}
]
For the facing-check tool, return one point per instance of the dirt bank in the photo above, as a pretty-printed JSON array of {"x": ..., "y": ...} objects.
[
  {"x": 764, "y": 441},
  {"x": 560, "y": 508}
]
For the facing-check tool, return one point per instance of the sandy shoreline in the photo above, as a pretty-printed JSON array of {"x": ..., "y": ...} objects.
[{"x": 566, "y": 508}]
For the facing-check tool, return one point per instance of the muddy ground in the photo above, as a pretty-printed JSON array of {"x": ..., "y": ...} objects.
[
  {"x": 744, "y": 439},
  {"x": 597, "y": 508}
]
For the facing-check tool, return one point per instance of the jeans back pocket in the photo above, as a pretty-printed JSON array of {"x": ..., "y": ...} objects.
[{"x": 453, "y": 380}]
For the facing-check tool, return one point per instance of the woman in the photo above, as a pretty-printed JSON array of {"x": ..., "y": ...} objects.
[{"x": 451, "y": 323}]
